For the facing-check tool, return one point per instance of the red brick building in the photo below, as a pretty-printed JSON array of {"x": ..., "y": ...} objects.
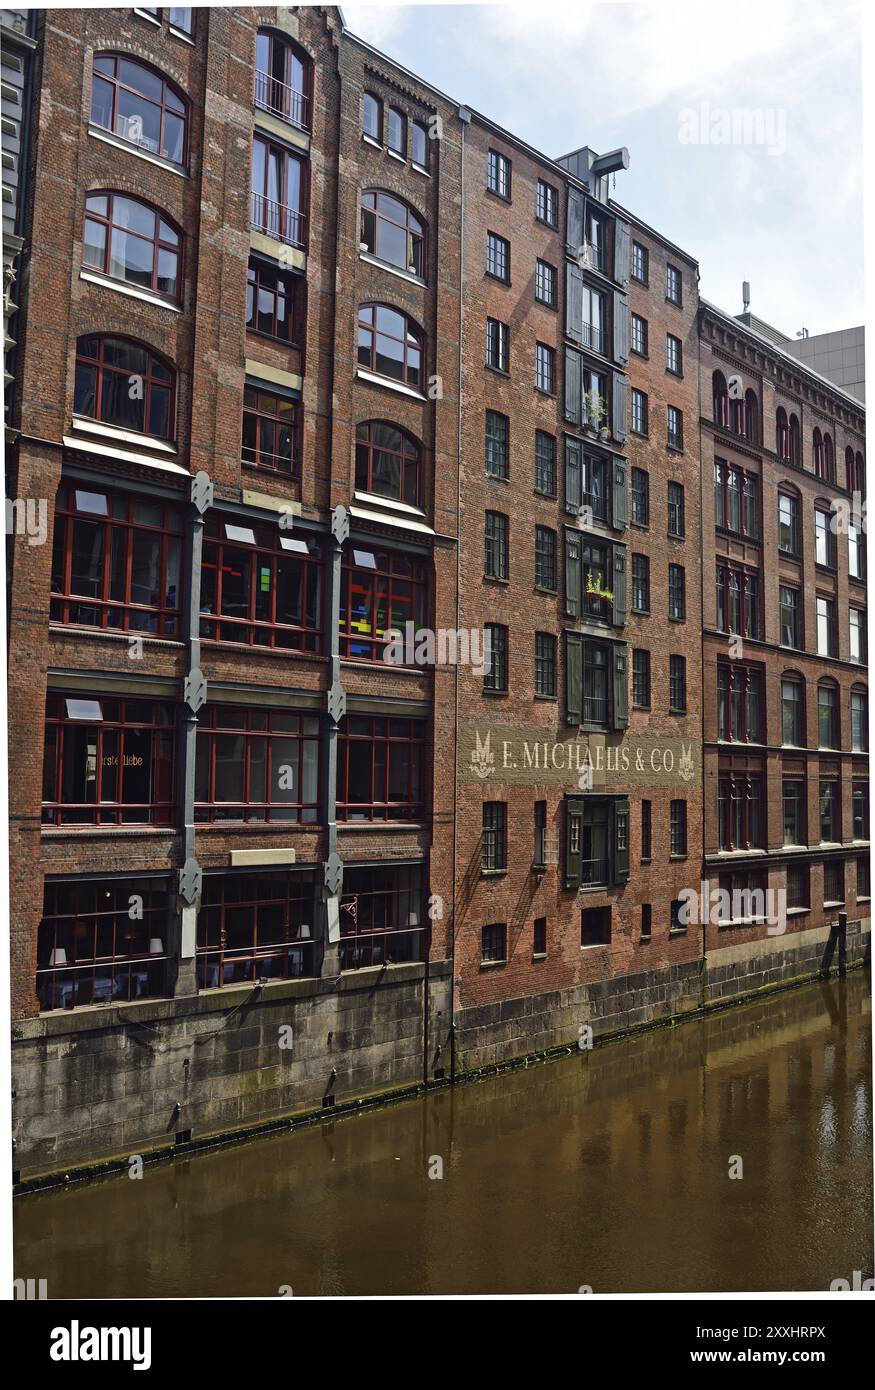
[{"x": 308, "y": 354}]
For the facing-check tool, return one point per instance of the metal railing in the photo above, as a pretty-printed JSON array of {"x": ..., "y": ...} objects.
[
  {"x": 277, "y": 221},
  {"x": 282, "y": 100}
]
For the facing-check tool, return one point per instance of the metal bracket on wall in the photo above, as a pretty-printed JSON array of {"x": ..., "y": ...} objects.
[
  {"x": 202, "y": 491},
  {"x": 190, "y": 880},
  {"x": 195, "y": 690}
]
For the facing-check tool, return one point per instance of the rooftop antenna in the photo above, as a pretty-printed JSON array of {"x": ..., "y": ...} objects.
[
  {"x": 745, "y": 294},
  {"x": 802, "y": 333}
]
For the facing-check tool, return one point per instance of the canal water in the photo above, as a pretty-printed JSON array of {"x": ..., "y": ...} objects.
[{"x": 608, "y": 1170}]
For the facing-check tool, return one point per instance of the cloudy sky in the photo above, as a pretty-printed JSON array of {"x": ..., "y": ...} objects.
[{"x": 666, "y": 79}]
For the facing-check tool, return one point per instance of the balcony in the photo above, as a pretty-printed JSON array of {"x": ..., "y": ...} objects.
[
  {"x": 277, "y": 221},
  {"x": 282, "y": 100}
]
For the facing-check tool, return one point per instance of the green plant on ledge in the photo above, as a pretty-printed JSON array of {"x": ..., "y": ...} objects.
[
  {"x": 595, "y": 588},
  {"x": 595, "y": 409}
]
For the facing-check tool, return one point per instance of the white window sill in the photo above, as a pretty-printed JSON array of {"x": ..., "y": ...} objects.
[
  {"x": 146, "y": 441},
  {"x": 116, "y": 141},
  {"x": 95, "y": 277},
  {"x": 392, "y": 269},
  {"x": 389, "y": 384},
  {"x": 369, "y": 140},
  {"x": 420, "y": 169},
  {"x": 393, "y": 154},
  {"x": 178, "y": 34},
  {"x": 149, "y": 18},
  {"x": 389, "y": 502}
]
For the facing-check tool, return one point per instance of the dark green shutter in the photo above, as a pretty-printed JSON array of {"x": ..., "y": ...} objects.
[
  {"x": 621, "y": 840},
  {"x": 622, "y": 241},
  {"x": 573, "y": 302},
  {"x": 618, "y": 408},
  {"x": 573, "y": 843},
  {"x": 573, "y": 574},
  {"x": 621, "y": 686},
  {"x": 619, "y": 514},
  {"x": 573, "y": 385},
  {"x": 619, "y": 586},
  {"x": 574, "y": 223},
  {"x": 573, "y": 678},
  {"x": 621, "y": 329},
  {"x": 573, "y": 475}
]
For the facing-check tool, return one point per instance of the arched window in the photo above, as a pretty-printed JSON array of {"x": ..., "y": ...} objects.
[
  {"x": 829, "y": 459},
  {"x": 131, "y": 241},
  {"x": 751, "y": 416},
  {"x": 392, "y": 231},
  {"x": 817, "y": 451},
  {"x": 860, "y": 474},
  {"x": 388, "y": 462},
  {"x": 139, "y": 105},
  {"x": 793, "y": 709},
  {"x": 390, "y": 344},
  {"x": 119, "y": 382},
  {"x": 782, "y": 435},
  {"x": 721, "y": 400},
  {"x": 396, "y": 131},
  {"x": 283, "y": 79},
  {"x": 795, "y": 442}
]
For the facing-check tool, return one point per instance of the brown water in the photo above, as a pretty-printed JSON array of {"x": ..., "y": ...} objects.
[{"x": 608, "y": 1169}]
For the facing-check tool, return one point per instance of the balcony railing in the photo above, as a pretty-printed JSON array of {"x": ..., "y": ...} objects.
[
  {"x": 592, "y": 337},
  {"x": 277, "y": 221},
  {"x": 282, "y": 100}
]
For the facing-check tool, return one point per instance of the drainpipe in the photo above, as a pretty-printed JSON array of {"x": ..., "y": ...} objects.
[
  {"x": 332, "y": 869},
  {"x": 703, "y": 907}
]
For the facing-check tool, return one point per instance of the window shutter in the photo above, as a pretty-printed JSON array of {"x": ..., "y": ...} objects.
[
  {"x": 621, "y": 329},
  {"x": 574, "y": 223},
  {"x": 621, "y": 686},
  {"x": 573, "y": 843},
  {"x": 622, "y": 242},
  {"x": 573, "y": 475},
  {"x": 619, "y": 512},
  {"x": 573, "y": 386},
  {"x": 573, "y": 574},
  {"x": 621, "y": 840},
  {"x": 573, "y": 677},
  {"x": 619, "y": 586},
  {"x": 573, "y": 302},
  {"x": 618, "y": 408}
]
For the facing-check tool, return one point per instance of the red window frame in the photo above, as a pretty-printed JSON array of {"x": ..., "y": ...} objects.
[
  {"x": 749, "y": 604},
  {"x": 263, "y": 413},
  {"x": 251, "y": 926},
  {"x": 748, "y": 526},
  {"x": 91, "y": 949},
  {"x": 369, "y": 332},
  {"x": 244, "y": 723},
  {"x": 381, "y": 916},
  {"x": 118, "y": 534},
  {"x": 744, "y": 788},
  {"x": 151, "y": 381},
  {"x": 855, "y": 472},
  {"x": 292, "y": 102},
  {"x": 381, "y": 734},
  {"x": 261, "y": 280},
  {"x": 370, "y": 600},
  {"x": 374, "y": 211},
  {"x": 279, "y": 218},
  {"x": 221, "y": 555},
  {"x": 164, "y": 105},
  {"x": 744, "y": 683},
  {"x": 109, "y": 765},
  {"x": 408, "y": 453},
  {"x": 156, "y": 241}
]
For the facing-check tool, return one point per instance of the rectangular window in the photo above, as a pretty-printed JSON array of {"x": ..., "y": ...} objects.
[
  {"x": 498, "y": 174},
  {"x": 595, "y": 926},
  {"x": 493, "y": 939},
  {"x": 256, "y": 765},
  {"x": 108, "y": 761},
  {"x": 640, "y": 584},
  {"x": 640, "y": 263},
  {"x": 270, "y": 432},
  {"x": 381, "y": 592},
  {"x": 738, "y": 600},
  {"x": 116, "y": 561},
  {"x": 864, "y": 878},
  {"x": 639, "y": 335},
  {"x": 827, "y": 716},
  {"x": 677, "y": 601},
  {"x": 277, "y": 200},
  {"x": 497, "y": 434},
  {"x": 827, "y": 629},
  {"x": 834, "y": 884},
  {"x": 372, "y": 117},
  {"x": 497, "y": 256},
  {"x": 548, "y": 204},
  {"x": 419, "y": 144},
  {"x": 739, "y": 702},
  {"x": 739, "y": 809},
  {"x": 792, "y": 713},
  {"x": 379, "y": 769},
  {"x": 860, "y": 811},
  {"x": 497, "y": 345},
  {"x": 794, "y": 811},
  {"x": 646, "y": 830},
  {"x": 788, "y": 524},
  {"x": 272, "y": 303},
  {"x": 596, "y": 478},
  {"x": 90, "y": 950},
  {"x": 646, "y": 921},
  {"x": 736, "y": 500},
  {"x": 678, "y": 820},
  {"x": 494, "y": 836},
  {"x": 594, "y": 318},
  {"x": 545, "y": 368},
  {"x": 545, "y": 463},
  {"x": 595, "y": 843},
  {"x": 856, "y": 552},
  {"x": 824, "y": 539},
  {"x": 859, "y": 721},
  {"x": 675, "y": 427},
  {"x": 382, "y": 917},
  {"x": 790, "y": 610},
  {"x": 396, "y": 131},
  {"x": 545, "y": 664},
  {"x": 675, "y": 922},
  {"x": 495, "y": 678},
  {"x": 673, "y": 355},
  {"x": 798, "y": 890},
  {"x": 858, "y": 646},
  {"x": 596, "y": 704},
  {"x": 640, "y": 497},
  {"x": 539, "y": 860},
  {"x": 545, "y": 558},
  {"x": 675, "y": 509},
  {"x": 539, "y": 937},
  {"x": 545, "y": 283},
  {"x": 641, "y": 678},
  {"x": 496, "y": 565},
  {"x": 596, "y": 235},
  {"x": 673, "y": 285},
  {"x": 677, "y": 684},
  {"x": 639, "y": 411},
  {"x": 259, "y": 586}
]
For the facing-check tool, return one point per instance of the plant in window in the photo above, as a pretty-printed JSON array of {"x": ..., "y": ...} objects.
[
  {"x": 595, "y": 587},
  {"x": 595, "y": 411}
]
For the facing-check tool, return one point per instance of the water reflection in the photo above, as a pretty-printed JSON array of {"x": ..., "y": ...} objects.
[{"x": 609, "y": 1169}]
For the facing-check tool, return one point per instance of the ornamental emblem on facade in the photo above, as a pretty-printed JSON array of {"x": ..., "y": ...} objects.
[
  {"x": 686, "y": 771},
  {"x": 482, "y": 756}
]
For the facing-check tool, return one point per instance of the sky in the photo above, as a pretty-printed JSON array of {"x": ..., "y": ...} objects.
[{"x": 742, "y": 121}]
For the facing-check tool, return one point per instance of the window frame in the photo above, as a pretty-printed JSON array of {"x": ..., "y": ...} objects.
[
  {"x": 167, "y": 86},
  {"x": 151, "y": 382},
  {"x": 246, "y": 810},
  {"x": 267, "y": 551}
]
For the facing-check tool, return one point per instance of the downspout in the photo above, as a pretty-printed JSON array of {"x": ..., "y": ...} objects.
[{"x": 703, "y": 913}]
